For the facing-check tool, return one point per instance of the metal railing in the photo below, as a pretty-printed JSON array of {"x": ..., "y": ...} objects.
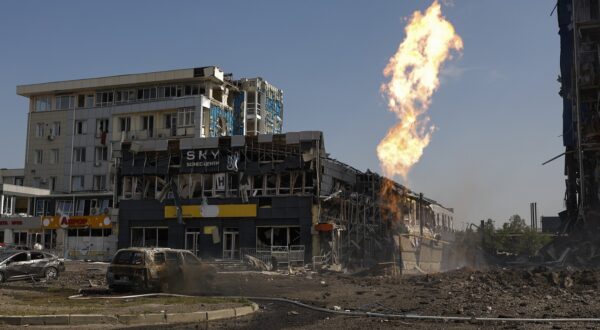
[{"x": 294, "y": 254}]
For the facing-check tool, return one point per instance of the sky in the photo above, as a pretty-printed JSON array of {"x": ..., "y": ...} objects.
[{"x": 497, "y": 111}]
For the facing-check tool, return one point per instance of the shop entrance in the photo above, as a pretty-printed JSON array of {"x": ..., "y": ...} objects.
[
  {"x": 231, "y": 243},
  {"x": 192, "y": 241}
]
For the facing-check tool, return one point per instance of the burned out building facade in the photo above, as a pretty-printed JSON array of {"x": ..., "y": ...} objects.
[{"x": 267, "y": 195}]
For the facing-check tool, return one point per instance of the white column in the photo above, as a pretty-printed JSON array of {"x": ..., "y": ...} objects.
[
  {"x": 1, "y": 204},
  {"x": 13, "y": 201},
  {"x": 8, "y": 236}
]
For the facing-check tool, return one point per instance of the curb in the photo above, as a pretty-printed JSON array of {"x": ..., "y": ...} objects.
[{"x": 129, "y": 319}]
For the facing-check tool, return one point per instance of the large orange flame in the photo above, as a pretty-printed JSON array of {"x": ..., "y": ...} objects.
[{"x": 413, "y": 73}]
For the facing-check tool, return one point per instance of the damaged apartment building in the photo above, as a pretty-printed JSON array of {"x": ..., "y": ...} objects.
[
  {"x": 579, "y": 30},
  {"x": 73, "y": 126},
  {"x": 269, "y": 196}
]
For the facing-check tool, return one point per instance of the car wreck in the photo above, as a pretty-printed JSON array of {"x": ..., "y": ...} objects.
[
  {"x": 19, "y": 264},
  {"x": 157, "y": 269}
]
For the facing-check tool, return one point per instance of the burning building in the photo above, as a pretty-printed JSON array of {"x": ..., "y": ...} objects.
[{"x": 269, "y": 196}]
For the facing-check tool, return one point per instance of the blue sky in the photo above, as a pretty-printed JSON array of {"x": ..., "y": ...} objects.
[{"x": 497, "y": 112}]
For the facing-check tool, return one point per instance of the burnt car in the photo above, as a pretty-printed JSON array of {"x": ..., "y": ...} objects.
[
  {"x": 19, "y": 264},
  {"x": 158, "y": 269}
]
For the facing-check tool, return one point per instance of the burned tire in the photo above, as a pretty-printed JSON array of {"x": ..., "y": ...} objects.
[{"x": 51, "y": 273}]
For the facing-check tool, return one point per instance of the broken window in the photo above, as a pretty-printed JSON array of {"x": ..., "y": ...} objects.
[
  {"x": 268, "y": 237},
  {"x": 271, "y": 184},
  {"x": 284, "y": 184},
  {"x": 257, "y": 185},
  {"x": 150, "y": 237}
]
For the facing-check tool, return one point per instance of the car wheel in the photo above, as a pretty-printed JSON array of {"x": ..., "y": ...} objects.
[
  {"x": 2, "y": 277},
  {"x": 51, "y": 273}
]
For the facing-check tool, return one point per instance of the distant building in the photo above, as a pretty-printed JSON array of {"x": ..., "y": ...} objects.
[{"x": 550, "y": 224}]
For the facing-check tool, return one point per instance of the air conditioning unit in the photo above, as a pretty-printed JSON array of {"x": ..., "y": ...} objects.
[
  {"x": 51, "y": 137},
  {"x": 97, "y": 164}
]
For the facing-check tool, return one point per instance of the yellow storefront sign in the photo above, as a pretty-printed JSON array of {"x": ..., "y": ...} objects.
[
  {"x": 213, "y": 211},
  {"x": 66, "y": 222}
]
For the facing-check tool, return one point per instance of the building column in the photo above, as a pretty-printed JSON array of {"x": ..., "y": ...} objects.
[
  {"x": 8, "y": 236},
  {"x": 2, "y": 204},
  {"x": 13, "y": 202}
]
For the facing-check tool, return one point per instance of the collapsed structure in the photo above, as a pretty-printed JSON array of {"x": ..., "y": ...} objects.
[{"x": 194, "y": 159}]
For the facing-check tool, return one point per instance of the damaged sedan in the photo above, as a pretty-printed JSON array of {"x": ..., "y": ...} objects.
[{"x": 18, "y": 264}]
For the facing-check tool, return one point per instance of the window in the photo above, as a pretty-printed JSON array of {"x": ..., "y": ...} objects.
[
  {"x": 38, "y": 157},
  {"x": 89, "y": 101},
  {"x": 80, "y": 127},
  {"x": 19, "y": 181},
  {"x": 146, "y": 93},
  {"x": 55, "y": 130},
  {"x": 150, "y": 237},
  {"x": 65, "y": 102},
  {"x": 80, "y": 207},
  {"x": 125, "y": 96},
  {"x": 43, "y": 103},
  {"x": 125, "y": 124},
  {"x": 37, "y": 256},
  {"x": 99, "y": 182},
  {"x": 20, "y": 241},
  {"x": 64, "y": 207},
  {"x": 101, "y": 154},
  {"x": 79, "y": 154},
  {"x": 78, "y": 182},
  {"x": 41, "y": 207},
  {"x": 52, "y": 183},
  {"x": 168, "y": 118},
  {"x": 104, "y": 98},
  {"x": 54, "y": 156},
  {"x": 148, "y": 125},
  {"x": 185, "y": 117},
  {"x": 101, "y": 126},
  {"x": 81, "y": 101},
  {"x": 267, "y": 237},
  {"x": 129, "y": 258},
  {"x": 39, "y": 130}
]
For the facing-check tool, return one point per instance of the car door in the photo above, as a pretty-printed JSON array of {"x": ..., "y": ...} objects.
[
  {"x": 16, "y": 266},
  {"x": 37, "y": 264}
]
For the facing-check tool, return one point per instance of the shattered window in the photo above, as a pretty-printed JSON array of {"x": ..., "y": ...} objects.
[{"x": 129, "y": 258}]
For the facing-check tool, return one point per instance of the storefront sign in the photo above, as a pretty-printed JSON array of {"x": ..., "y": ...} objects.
[
  {"x": 210, "y": 160},
  {"x": 20, "y": 223},
  {"x": 66, "y": 222},
  {"x": 213, "y": 211}
]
